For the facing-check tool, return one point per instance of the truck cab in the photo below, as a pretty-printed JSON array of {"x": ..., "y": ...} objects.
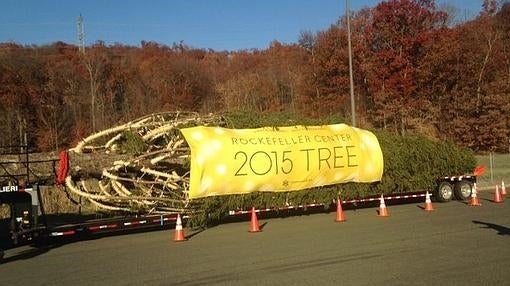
[
  {"x": 21, "y": 222},
  {"x": 20, "y": 202}
]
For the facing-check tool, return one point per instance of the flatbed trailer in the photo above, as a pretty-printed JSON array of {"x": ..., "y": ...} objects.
[
  {"x": 110, "y": 225},
  {"x": 27, "y": 223},
  {"x": 28, "y": 219},
  {"x": 458, "y": 187}
]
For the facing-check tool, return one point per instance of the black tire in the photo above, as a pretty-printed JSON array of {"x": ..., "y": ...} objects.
[
  {"x": 462, "y": 190},
  {"x": 444, "y": 192}
]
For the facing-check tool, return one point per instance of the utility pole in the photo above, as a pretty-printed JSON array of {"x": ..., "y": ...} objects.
[
  {"x": 81, "y": 35},
  {"x": 351, "y": 81}
]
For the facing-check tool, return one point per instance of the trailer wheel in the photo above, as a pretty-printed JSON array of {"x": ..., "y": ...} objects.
[
  {"x": 444, "y": 192},
  {"x": 462, "y": 190}
]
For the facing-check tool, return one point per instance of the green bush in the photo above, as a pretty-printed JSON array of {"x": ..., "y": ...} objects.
[{"x": 411, "y": 163}]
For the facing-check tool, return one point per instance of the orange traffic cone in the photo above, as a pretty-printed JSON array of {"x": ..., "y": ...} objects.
[
  {"x": 497, "y": 196},
  {"x": 503, "y": 190},
  {"x": 340, "y": 217},
  {"x": 254, "y": 225},
  {"x": 474, "y": 202},
  {"x": 179, "y": 233},
  {"x": 383, "y": 211},
  {"x": 428, "y": 202}
]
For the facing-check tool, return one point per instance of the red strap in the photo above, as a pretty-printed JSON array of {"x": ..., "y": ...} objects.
[
  {"x": 63, "y": 167},
  {"x": 479, "y": 170}
]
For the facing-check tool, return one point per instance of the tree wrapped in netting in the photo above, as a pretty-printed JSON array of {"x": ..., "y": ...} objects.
[{"x": 143, "y": 167}]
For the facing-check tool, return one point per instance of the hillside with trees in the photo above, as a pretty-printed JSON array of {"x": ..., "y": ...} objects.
[{"x": 415, "y": 72}]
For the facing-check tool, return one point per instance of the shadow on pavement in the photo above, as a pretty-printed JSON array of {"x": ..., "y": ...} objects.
[
  {"x": 26, "y": 254},
  {"x": 10, "y": 252},
  {"x": 502, "y": 230},
  {"x": 195, "y": 232}
]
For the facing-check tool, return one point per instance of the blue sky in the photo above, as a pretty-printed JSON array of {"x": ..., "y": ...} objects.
[{"x": 214, "y": 24}]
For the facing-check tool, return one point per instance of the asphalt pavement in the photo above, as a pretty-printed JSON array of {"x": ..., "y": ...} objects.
[{"x": 455, "y": 244}]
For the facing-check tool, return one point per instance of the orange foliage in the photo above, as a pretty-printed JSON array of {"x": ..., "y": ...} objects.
[{"x": 412, "y": 74}]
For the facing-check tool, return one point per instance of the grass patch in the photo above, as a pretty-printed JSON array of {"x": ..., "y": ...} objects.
[{"x": 500, "y": 169}]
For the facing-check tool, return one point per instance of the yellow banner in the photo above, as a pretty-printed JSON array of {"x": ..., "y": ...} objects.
[{"x": 239, "y": 161}]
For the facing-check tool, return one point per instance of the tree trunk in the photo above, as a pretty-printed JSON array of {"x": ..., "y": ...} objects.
[{"x": 42, "y": 167}]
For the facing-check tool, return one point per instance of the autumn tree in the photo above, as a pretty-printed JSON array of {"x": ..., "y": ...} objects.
[
  {"x": 309, "y": 82},
  {"x": 94, "y": 60},
  {"x": 21, "y": 78},
  {"x": 331, "y": 66},
  {"x": 397, "y": 36},
  {"x": 59, "y": 103},
  {"x": 416, "y": 69},
  {"x": 479, "y": 93},
  {"x": 175, "y": 79},
  {"x": 249, "y": 86}
]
